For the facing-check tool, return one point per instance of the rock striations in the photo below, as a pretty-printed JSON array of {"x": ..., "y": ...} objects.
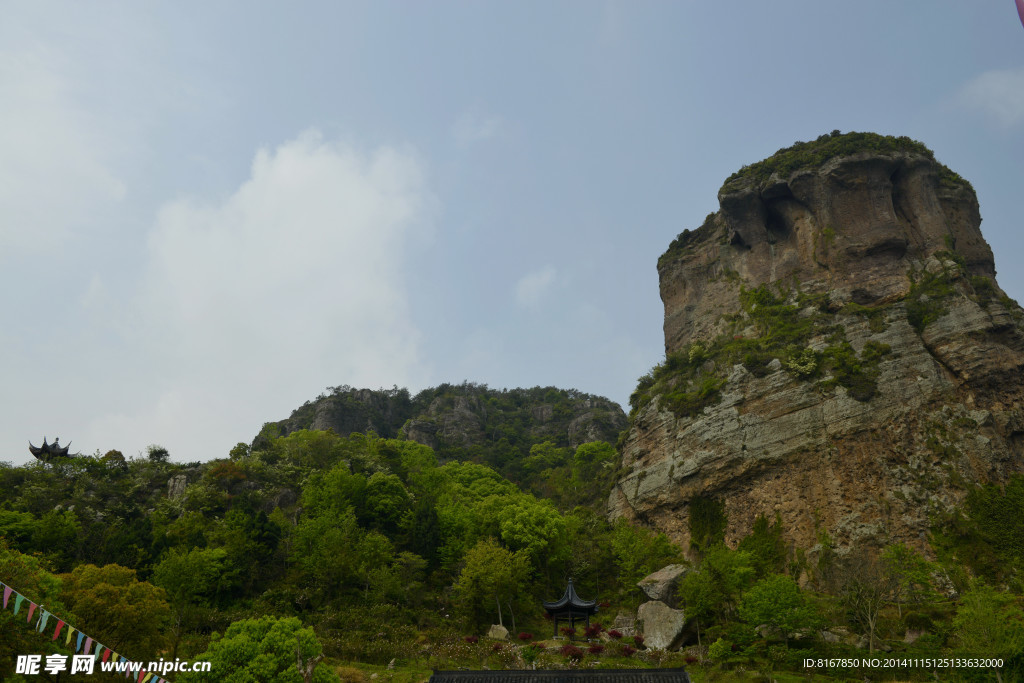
[{"x": 838, "y": 354}]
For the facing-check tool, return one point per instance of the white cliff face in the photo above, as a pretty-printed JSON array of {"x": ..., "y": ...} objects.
[{"x": 947, "y": 410}]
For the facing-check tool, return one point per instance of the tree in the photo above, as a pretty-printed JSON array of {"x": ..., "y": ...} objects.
[
  {"x": 24, "y": 574},
  {"x": 714, "y": 590},
  {"x": 265, "y": 650},
  {"x": 990, "y": 624},
  {"x": 864, "y": 586},
  {"x": 777, "y": 601},
  {"x": 492, "y": 576},
  {"x": 638, "y": 552},
  {"x": 911, "y": 574},
  {"x": 157, "y": 453},
  {"x": 193, "y": 579},
  {"x": 126, "y": 614}
]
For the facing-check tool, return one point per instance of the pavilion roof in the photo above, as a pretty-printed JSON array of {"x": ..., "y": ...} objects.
[{"x": 570, "y": 599}]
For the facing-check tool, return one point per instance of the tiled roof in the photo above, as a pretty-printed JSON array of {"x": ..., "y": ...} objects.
[{"x": 578, "y": 676}]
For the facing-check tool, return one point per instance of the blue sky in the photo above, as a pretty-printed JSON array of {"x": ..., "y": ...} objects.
[{"x": 209, "y": 212}]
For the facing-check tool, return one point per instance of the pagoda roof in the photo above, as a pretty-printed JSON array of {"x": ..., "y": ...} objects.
[
  {"x": 571, "y": 600},
  {"x": 577, "y": 676},
  {"x": 49, "y": 450}
]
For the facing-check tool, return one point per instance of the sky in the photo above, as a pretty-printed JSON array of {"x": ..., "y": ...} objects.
[{"x": 210, "y": 212}]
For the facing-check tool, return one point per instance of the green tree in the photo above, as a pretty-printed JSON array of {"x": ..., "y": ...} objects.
[
  {"x": 639, "y": 551},
  {"x": 766, "y": 547},
  {"x": 126, "y": 614},
  {"x": 24, "y": 574},
  {"x": 265, "y": 650},
  {"x": 491, "y": 577},
  {"x": 778, "y": 602},
  {"x": 713, "y": 592},
  {"x": 989, "y": 623},
  {"x": 194, "y": 580},
  {"x": 911, "y": 573}
]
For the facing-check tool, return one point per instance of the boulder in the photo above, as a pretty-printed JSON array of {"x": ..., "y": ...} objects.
[
  {"x": 497, "y": 632},
  {"x": 662, "y": 626},
  {"x": 662, "y": 584},
  {"x": 624, "y": 624}
]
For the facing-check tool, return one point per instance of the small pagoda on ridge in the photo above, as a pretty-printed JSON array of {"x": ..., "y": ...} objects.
[{"x": 570, "y": 606}]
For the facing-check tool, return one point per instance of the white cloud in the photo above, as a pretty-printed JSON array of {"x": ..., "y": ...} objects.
[
  {"x": 294, "y": 282},
  {"x": 999, "y": 94},
  {"x": 52, "y": 173},
  {"x": 474, "y": 127},
  {"x": 532, "y": 287}
]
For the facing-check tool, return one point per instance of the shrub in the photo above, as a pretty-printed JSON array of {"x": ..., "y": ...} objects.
[
  {"x": 595, "y": 649},
  {"x": 639, "y": 640},
  {"x": 615, "y": 634},
  {"x": 568, "y": 631},
  {"x": 496, "y": 647},
  {"x": 524, "y": 636},
  {"x": 628, "y": 651},
  {"x": 571, "y": 652},
  {"x": 593, "y": 631},
  {"x": 472, "y": 640}
]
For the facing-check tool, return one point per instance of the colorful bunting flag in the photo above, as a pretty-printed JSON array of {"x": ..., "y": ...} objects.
[{"x": 91, "y": 646}]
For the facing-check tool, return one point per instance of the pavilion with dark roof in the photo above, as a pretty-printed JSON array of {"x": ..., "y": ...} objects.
[
  {"x": 570, "y": 606},
  {"x": 571, "y": 676}
]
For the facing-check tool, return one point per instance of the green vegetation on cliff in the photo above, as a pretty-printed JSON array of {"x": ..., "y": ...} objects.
[{"x": 804, "y": 155}]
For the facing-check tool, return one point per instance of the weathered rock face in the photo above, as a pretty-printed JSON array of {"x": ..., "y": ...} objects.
[
  {"x": 661, "y": 625},
  {"x": 662, "y": 584},
  {"x": 896, "y": 362},
  {"x": 449, "y": 417}
]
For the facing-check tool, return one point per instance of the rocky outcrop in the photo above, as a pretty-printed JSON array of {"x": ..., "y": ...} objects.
[
  {"x": 662, "y": 626},
  {"x": 839, "y": 354},
  {"x": 662, "y": 584},
  {"x": 454, "y": 419}
]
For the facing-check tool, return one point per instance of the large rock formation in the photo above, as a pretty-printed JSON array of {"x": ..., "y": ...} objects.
[
  {"x": 452, "y": 419},
  {"x": 839, "y": 354}
]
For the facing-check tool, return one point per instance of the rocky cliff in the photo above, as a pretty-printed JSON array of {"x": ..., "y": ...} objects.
[
  {"x": 838, "y": 354},
  {"x": 458, "y": 420}
]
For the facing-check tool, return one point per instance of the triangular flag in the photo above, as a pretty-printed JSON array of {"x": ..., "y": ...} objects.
[
  {"x": 71, "y": 632},
  {"x": 17, "y": 602},
  {"x": 31, "y": 608},
  {"x": 88, "y": 646},
  {"x": 42, "y": 621},
  {"x": 107, "y": 654},
  {"x": 146, "y": 679},
  {"x": 78, "y": 643},
  {"x": 7, "y": 594},
  {"x": 141, "y": 674},
  {"x": 96, "y": 653},
  {"x": 60, "y": 625}
]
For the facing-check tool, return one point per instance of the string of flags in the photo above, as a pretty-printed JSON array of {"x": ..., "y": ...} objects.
[{"x": 86, "y": 645}]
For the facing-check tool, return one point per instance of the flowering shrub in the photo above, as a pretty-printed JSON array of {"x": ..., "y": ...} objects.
[
  {"x": 523, "y": 635},
  {"x": 472, "y": 640},
  {"x": 595, "y": 649},
  {"x": 571, "y": 652},
  {"x": 568, "y": 631},
  {"x": 614, "y": 634},
  {"x": 593, "y": 630},
  {"x": 628, "y": 651},
  {"x": 539, "y": 644}
]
